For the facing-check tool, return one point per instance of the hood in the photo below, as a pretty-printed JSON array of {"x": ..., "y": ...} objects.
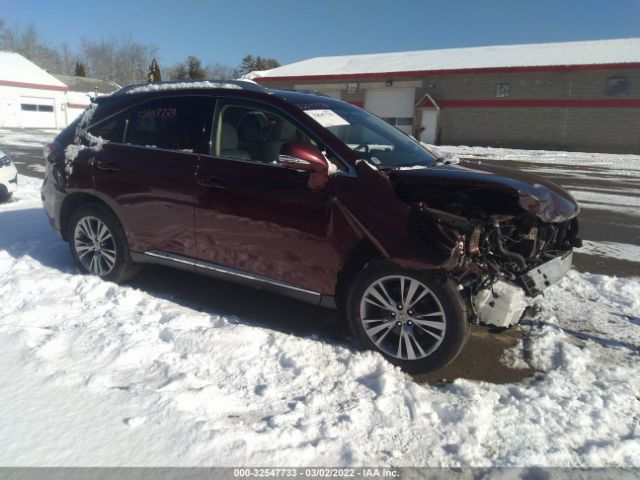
[{"x": 534, "y": 194}]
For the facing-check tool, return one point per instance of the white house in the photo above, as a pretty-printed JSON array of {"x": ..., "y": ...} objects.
[{"x": 29, "y": 96}]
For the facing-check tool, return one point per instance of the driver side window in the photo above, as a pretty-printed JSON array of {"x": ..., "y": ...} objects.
[{"x": 251, "y": 134}]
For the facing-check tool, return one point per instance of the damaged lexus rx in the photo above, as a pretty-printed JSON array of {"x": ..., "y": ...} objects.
[{"x": 307, "y": 196}]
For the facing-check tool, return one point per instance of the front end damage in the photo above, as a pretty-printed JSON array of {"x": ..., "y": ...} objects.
[
  {"x": 511, "y": 258},
  {"x": 510, "y": 234}
]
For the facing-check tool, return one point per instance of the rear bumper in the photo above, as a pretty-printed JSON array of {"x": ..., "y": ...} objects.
[{"x": 537, "y": 279}]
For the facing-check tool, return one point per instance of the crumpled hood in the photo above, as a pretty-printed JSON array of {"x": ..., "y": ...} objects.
[{"x": 536, "y": 195}]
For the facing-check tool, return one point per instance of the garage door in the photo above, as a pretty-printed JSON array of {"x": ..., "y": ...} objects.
[
  {"x": 37, "y": 112},
  {"x": 395, "y": 105}
]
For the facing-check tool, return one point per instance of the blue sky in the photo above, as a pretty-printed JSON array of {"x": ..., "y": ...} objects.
[{"x": 225, "y": 31}]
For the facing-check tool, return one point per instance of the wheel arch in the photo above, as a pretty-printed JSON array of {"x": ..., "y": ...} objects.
[
  {"x": 72, "y": 202},
  {"x": 356, "y": 259}
]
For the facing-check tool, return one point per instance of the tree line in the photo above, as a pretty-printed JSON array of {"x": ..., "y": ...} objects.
[{"x": 122, "y": 60}]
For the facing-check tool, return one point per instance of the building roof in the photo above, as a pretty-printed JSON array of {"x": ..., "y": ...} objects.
[
  {"x": 15, "y": 70},
  {"x": 507, "y": 57},
  {"x": 88, "y": 85}
]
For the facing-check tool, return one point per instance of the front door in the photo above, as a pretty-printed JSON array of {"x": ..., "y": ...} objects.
[
  {"x": 429, "y": 126},
  {"x": 146, "y": 171},
  {"x": 254, "y": 215}
]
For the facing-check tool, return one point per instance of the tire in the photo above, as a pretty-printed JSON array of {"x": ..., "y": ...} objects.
[
  {"x": 5, "y": 196},
  {"x": 96, "y": 252},
  {"x": 430, "y": 331}
]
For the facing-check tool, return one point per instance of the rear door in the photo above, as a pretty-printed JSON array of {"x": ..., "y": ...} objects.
[{"x": 146, "y": 171}]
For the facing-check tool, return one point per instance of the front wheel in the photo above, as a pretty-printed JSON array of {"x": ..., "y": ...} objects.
[
  {"x": 416, "y": 320},
  {"x": 98, "y": 244}
]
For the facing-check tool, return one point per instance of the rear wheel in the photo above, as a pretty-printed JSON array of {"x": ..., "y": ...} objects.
[
  {"x": 4, "y": 194},
  {"x": 98, "y": 244},
  {"x": 416, "y": 320}
]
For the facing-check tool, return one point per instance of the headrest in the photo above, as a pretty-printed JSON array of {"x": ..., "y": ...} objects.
[
  {"x": 283, "y": 131},
  {"x": 252, "y": 128},
  {"x": 228, "y": 137}
]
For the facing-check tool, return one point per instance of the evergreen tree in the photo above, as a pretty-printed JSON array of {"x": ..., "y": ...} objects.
[
  {"x": 252, "y": 64},
  {"x": 191, "y": 69},
  {"x": 154, "y": 74},
  {"x": 80, "y": 70},
  {"x": 157, "y": 74},
  {"x": 194, "y": 68}
]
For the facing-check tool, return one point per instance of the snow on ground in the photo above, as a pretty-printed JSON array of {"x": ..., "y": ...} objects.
[
  {"x": 621, "y": 164},
  {"x": 100, "y": 374},
  {"x": 36, "y": 138},
  {"x": 620, "y": 251}
]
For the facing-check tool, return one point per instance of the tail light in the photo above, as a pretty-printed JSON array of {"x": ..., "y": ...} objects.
[{"x": 52, "y": 152}]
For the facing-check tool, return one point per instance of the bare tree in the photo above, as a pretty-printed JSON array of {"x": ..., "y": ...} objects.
[
  {"x": 28, "y": 43},
  {"x": 122, "y": 60},
  {"x": 68, "y": 59},
  {"x": 178, "y": 72},
  {"x": 219, "y": 71}
]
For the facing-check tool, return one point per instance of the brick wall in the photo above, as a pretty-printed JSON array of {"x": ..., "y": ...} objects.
[{"x": 570, "y": 128}]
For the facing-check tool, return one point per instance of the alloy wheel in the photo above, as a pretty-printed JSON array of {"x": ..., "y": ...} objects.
[
  {"x": 95, "y": 246},
  {"x": 403, "y": 317}
]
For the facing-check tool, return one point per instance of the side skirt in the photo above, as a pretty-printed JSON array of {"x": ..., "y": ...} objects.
[{"x": 238, "y": 276}]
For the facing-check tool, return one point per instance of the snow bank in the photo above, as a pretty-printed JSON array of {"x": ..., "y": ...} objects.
[{"x": 100, "y": 374}]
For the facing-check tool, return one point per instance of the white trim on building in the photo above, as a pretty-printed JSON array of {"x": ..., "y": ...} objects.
[{"x": 29, "y": 96}]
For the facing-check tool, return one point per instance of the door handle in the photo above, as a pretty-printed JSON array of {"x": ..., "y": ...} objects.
[
  {"x": 108, "y": 166},
  {"x": 212, "y": 183}
]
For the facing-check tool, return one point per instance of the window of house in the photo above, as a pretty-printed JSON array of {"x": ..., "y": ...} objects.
[
  {"x": 34, "y": 107},
  {"x": 399, "y": 121},
  {"x": 503, "y": 90},
  {"x": 617, "y": 86}
]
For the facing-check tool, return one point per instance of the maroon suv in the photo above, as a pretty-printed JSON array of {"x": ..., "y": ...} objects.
[{"x": 310, "y": 197}]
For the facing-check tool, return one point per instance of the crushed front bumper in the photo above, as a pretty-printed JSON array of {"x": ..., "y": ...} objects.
[{"x": 537, "y": 279}]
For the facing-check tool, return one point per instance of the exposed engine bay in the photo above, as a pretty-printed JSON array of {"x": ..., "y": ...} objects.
[{"x": 509, "y": 244}]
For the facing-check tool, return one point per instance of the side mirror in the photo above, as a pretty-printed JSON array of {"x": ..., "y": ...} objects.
[{"x": 307, "y": 158}]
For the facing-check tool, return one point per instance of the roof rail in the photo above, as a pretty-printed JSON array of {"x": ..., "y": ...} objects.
[
  {"x": 311, "y": 92},
  {"x": 191, "y": 84}
]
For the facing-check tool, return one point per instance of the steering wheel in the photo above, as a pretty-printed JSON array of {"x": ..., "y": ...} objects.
[{"x": 362, "y": 145}]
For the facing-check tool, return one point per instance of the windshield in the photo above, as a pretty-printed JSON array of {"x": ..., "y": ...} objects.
[{"x": 374, "y": 139}]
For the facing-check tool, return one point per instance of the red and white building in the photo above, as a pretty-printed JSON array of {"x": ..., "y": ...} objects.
[
  {"x": 573, "y": 95},
  {"x": 30, "y": 97}
]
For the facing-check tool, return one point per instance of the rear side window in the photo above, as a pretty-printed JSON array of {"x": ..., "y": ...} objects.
[
  {"x": 111, "y": 129},
  {"x": 175, "y": 123}
]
